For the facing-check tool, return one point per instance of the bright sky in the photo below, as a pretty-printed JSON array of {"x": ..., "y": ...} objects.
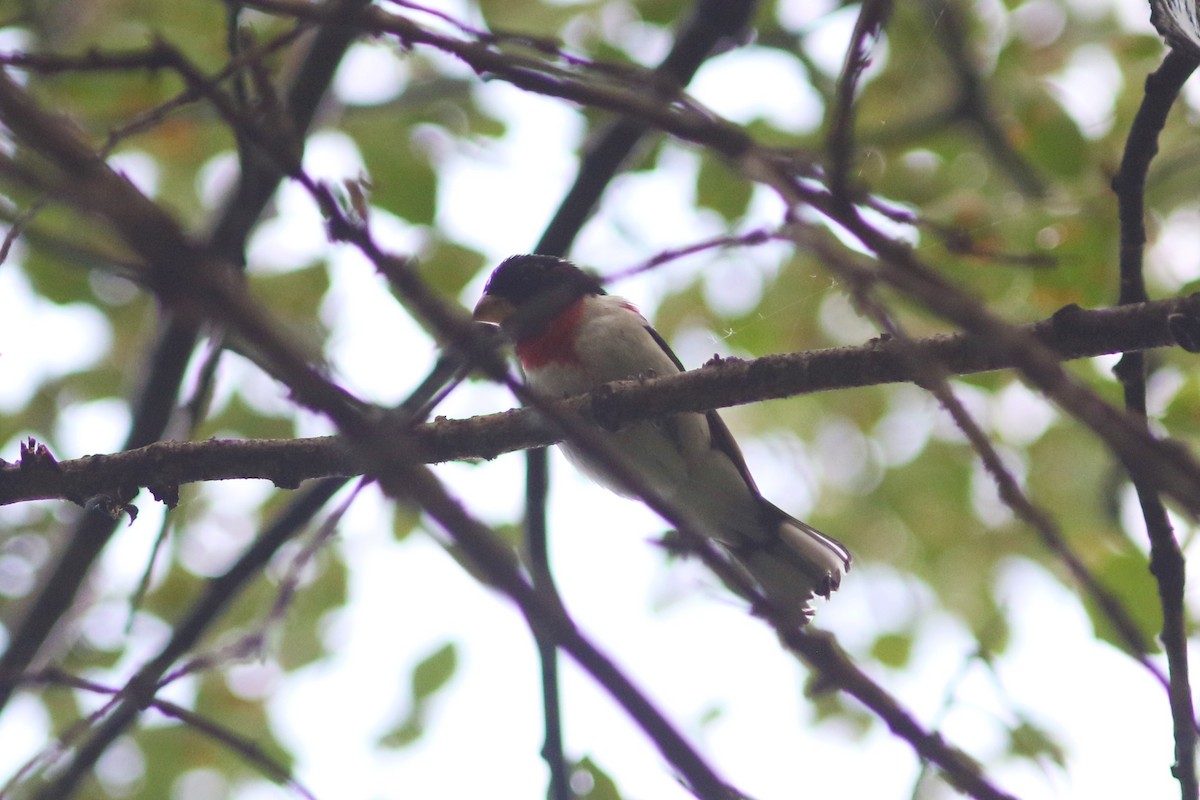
[{"x": 719, "y": 674}]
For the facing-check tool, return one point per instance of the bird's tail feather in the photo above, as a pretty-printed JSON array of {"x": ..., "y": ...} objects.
[{"x": 793, "y": 566}]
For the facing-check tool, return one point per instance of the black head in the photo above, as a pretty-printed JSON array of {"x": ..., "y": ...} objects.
[
  {"x": 525, "y": 292},
  {"x": 519, "y": 279}
]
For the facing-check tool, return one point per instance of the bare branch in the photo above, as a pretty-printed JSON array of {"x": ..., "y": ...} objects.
[
  {"x": 168, "y": 355},
  {"x": 932, "y": 376},
  {"x": 246, "y": 748},
  {"x": 1072, "y": 333},
  {"x": 189, "y": 279},
  {"x": 195, "y": 282},
  {"x": 1166, "y": 557},
  {"x": 840, "y": 138}
]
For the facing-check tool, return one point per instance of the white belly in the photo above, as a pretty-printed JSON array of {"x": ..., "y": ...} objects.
[{"x": 676, "y": 454}]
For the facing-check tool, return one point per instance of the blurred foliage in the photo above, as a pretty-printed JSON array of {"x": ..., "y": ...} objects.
[
  {"x": 923, "y": 513},
  {"x": 589, "y": 782},
  {"x": 429, "y": 676}
]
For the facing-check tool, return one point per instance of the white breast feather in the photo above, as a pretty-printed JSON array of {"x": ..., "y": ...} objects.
[{"x": 614, "y": 344}]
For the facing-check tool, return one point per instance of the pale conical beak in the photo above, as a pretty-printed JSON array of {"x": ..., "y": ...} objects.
[{"x": 493, "y": 309}]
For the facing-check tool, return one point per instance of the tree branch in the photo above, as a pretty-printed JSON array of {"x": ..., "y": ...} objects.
[
  {"x": 167, "y": 359},
  {"x": 187, "y": 278},
  {"x": 242, "y": 746},
  {"x": 1169, "y": 467},
  {"x": 1072, "y": 333},
  {"x": 839, "y": 140},
  {"x": 709, "y": 23},
  {"x": 1166, "y": 557}
]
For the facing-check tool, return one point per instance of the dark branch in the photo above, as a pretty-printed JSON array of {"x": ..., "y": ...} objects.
[
  {"x": 167, "y": 359},
  {"x": 1072, "y": 333},
  {"x": 1166, "y": 557},
  {"x": 840, "y": 138},
  {"x": 710, "y": 23},
  {"x": 246, "y": 748},
  {"x": 186, "y": 280}
]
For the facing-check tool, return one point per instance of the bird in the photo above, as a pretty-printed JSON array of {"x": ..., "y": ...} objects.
[{"x": 571, "y": 337}]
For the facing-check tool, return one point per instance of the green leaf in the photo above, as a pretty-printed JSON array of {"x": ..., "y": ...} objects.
[
  {"x": 406, "y": 733},
  {"x": 55, "y": 278},
  {"x": 303, "y": 641},
  {"x": 660, "y": 12},
  {"x": 405, "y": 520},
  {"x": 295, "y": 294},
  {"x": 428, "y": 677},
  {"x": 402, "y": 178},
  {"x": 434, "y": 672},
  {"x": 239, "y": 418},
  {"x": 1055, "y": 143},
  {"x": 1127, "y": 575},
  {"x": 721, "y": 189},
  {"x": 407, "y": 187},
  {"x": 448, "y": 267},
  {"x": 528, "y": 16},
  {"x": 711, "y": 714},
  {"x": 590, "y": 782},
  {"x": 892, "y": 649},
  {"x": 1035, "y": 743}
]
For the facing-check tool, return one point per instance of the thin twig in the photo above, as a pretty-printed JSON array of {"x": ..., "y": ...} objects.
[
  {"x": 247, "y": 749},
  {"x": 167, "y": 359},
  {"x": 840, "y": 139},
  {"x": 932, "y": 376},
  {"x": 1166, "y": 557}
]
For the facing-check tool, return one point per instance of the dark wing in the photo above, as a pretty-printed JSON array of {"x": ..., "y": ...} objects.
[
  {"x": 718, "y": 431},
  {"x": 723, "y": 440},
  {"x": 666, "y": 348}
]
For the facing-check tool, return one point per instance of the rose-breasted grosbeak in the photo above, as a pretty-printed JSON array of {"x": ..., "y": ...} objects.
[{"x": 571, "y": 337}]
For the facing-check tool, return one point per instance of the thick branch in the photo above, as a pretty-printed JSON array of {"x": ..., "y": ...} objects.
[
  {"x": 1170, "y": 468},
  {"x": 1072, "y": 332}
]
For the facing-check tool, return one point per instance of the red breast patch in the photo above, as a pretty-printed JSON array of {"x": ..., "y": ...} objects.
[{"x": 554, "y": 344}]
